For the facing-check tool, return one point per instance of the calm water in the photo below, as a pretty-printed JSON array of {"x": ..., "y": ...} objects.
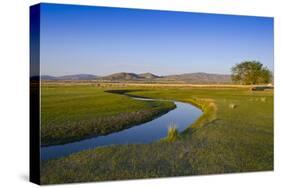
[{"x": 182, "y": 116}]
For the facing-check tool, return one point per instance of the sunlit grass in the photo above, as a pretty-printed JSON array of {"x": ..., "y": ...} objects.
[
  {"x": 71, "y": 113},
  {"x": 222, "y": 140},
  {"x": 173, "y": 133}
]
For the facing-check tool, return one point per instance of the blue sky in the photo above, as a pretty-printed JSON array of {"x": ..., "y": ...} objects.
[{"x": 101, "y": 41}]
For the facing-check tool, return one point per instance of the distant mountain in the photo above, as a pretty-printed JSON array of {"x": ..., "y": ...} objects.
[
  {"x": 122, "y": 76},
  {"x": 47, "y": 77},
  {"x": 200, "y": 77},
  {"x": 130, "y": 76},
  {"x": 70, "y": 77},
  {"x": 203, "y": 78},
  {"x": 149, "y": 76},
  {"x": 78, "y": 77},
  {"x": 192, "y": 78}
]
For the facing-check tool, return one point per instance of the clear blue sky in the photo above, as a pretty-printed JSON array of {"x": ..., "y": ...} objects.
[{"x": 99, "y": 40}]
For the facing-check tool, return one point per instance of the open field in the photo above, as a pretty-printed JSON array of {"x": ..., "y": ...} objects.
[
  {"x": 125, "y": 84},
  {"x": 235, "y": 133},
  {"x": 71, "y": 113}
]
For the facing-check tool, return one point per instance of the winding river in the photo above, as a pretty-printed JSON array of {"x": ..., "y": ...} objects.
[{"x": 182, "y": 116}]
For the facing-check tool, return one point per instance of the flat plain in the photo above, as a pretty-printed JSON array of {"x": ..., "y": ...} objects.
[{"x": 234, "y": 133}]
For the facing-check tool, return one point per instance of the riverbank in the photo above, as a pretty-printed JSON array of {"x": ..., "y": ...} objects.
[{"x": 144, "y": 133}]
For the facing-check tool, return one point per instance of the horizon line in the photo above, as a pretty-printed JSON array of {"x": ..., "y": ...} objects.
[{"x": 132, "y": 73}]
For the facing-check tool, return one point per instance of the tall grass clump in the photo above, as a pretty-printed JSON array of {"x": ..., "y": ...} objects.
[
  {"x": 173, "y": 133},
  {"x": 232, "y": 106},
  {"x": 263, "y": 99}
]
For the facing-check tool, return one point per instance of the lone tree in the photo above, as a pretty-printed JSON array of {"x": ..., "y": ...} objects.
[{"x": 250, "y": 72}]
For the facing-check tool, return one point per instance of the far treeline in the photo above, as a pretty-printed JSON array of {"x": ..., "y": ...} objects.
[{"x": 251, "y": 73}]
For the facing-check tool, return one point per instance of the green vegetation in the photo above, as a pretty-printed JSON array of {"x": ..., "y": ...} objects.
[
  {"x": 72, "y": 113},
  {"x": 224, "y": 139},
  {"x": 251, "y": 72},
  {"x": 173, "y": 134},
  {"x": 119, "y": 162}
]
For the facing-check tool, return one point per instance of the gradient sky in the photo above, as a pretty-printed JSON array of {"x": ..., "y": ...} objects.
[{"x": 101, "y": 41}]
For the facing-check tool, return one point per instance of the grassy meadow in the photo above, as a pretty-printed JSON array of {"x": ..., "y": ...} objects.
[
  {"x": 234, "y": 134},
  {"x": 74, "y": 112}
]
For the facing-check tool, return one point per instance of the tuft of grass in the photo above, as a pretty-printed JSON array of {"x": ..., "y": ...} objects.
[
  {"x": 263, "y": 99},
  {"x": 232, "y": 106},
  {"x": 173, "y": 133}
]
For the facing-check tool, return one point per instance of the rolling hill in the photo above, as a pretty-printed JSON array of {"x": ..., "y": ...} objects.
[
  {"x": 70, "y": 77},
  {"x": 130, "y": 76},
  {"x": 192, "y": 78},
  {"x": 200, "y": 77},
  {"x": 122, "y": 76}
]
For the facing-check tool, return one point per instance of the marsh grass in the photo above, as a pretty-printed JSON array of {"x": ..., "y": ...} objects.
[
  {"x": 173, "y": 133},
  {"x": 232, "y": 106}
]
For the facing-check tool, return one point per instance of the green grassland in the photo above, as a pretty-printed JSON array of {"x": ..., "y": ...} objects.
[
  {"x": 234, "y": 134},
  {"x": 70, "y": 113}
]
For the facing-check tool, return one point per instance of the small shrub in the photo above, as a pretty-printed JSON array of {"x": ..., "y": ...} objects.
[{"x": 173, "y": 133}]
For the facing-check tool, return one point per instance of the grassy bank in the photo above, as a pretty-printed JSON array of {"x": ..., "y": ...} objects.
[
  {"x": 235, "y": 134},
  {"x": 72, "y": 113}
]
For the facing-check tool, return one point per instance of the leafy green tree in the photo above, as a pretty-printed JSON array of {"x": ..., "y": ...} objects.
[{"x": 250, "y": 72}]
